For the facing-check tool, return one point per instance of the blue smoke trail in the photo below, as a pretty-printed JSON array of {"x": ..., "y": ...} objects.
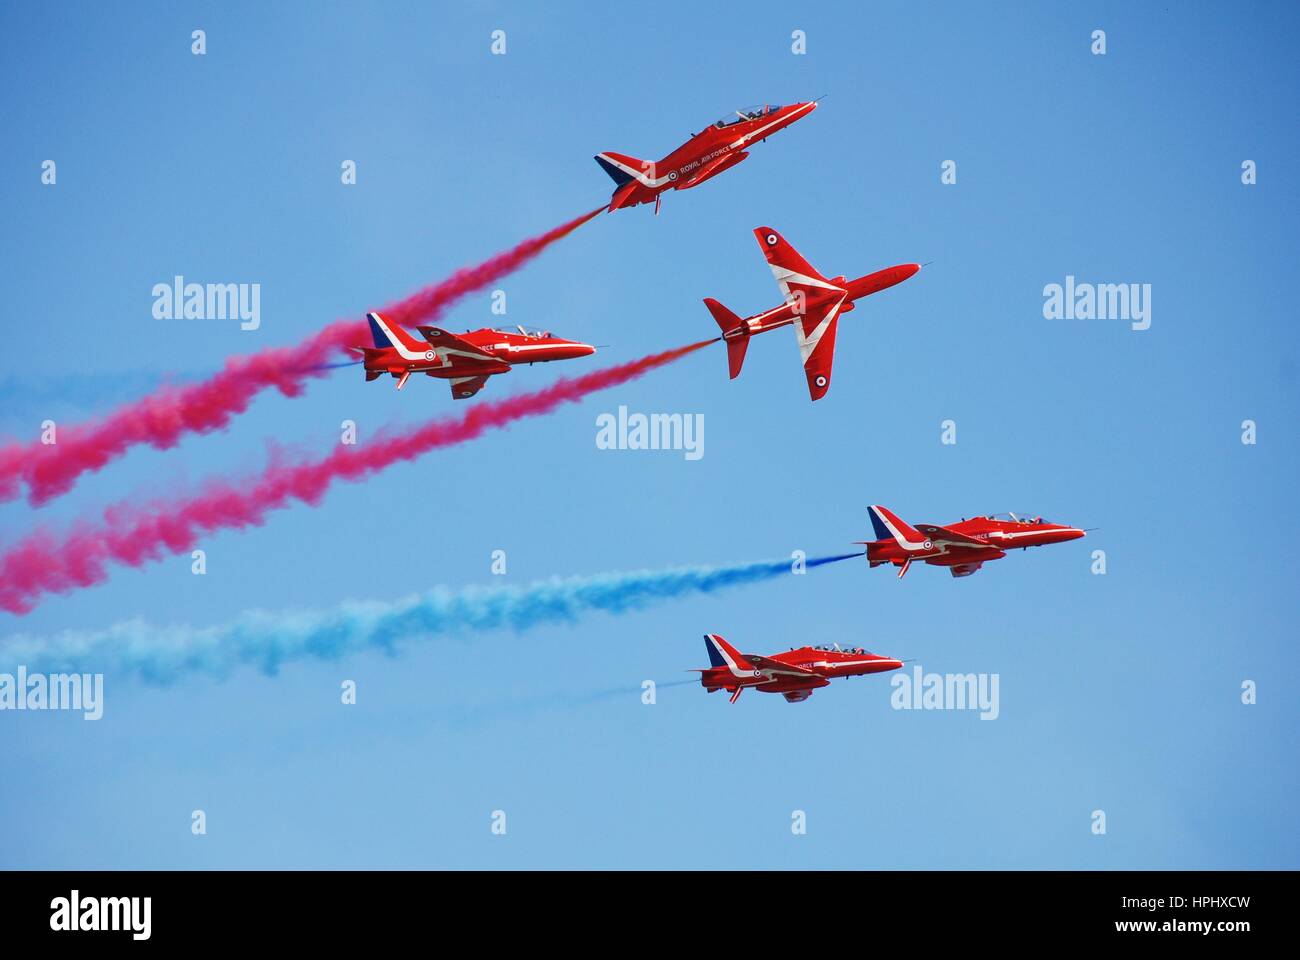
[{"x": 266, "y": 640}]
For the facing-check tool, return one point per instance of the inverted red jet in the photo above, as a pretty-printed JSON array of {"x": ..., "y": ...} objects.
[
  {"x": 717, "y": 147},
  {"x": 813, "y": 306},
  {"x": 466, "y": 360},
  {"x": 962, "y": 547},
  {"x": 794, "y": 674}
]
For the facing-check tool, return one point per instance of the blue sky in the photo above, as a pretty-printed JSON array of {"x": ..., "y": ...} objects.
[{"x": 1118, "y": 692}]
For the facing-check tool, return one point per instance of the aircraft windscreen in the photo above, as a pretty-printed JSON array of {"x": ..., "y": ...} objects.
[
  {"x": 748, "y": 113},
  {"x": 1016, "y": 517}
]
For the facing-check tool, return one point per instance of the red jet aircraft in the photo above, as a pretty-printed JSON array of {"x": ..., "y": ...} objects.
[
  {"x": 466, "y": 360},
  {"x": 813, "y": 306},
  {"x": 961, "y": 547},
  {"x": 794, "y": 674},
  {"x": 717, "y": 147}
]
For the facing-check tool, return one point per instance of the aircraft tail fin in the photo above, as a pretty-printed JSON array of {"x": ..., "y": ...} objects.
[
  {"x": 723, "y": 654},
  {"x": 728, "y": 322},
  {"x": 630, "y": 175},
  {"x": 376, "y": 333},
  {"x": 620, "y": 167},
  {"x": 887, "y": 526},
  {"x": 387, "y": 334}
]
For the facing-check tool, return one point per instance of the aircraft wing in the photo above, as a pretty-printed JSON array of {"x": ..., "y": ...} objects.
[
  {"x": 951, "y": 537},
  {"x": 445, "y": 344},
  {"x": 817, "y": 299},
  {"x": 464, "y": 387},
  {"x": 815, "y": 332},
  {"x": 793, "y": 274},
  {"x": 768, "y": 665},
  {"x": 716, "y": 165}
]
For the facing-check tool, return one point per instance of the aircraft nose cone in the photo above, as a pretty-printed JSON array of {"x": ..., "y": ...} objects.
[{"x": 585, "y": 349}]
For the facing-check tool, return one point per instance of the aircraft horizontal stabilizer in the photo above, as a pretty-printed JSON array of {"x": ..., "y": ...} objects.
[{"x": 738, "y": 343}]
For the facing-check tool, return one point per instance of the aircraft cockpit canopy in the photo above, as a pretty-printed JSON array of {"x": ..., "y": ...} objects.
[
  {"x": 837, "y": 649},
  {"x": 1010, "y": 517},
  {"x": 533, "y": 332},
  {"x": 746, "y": 114}
]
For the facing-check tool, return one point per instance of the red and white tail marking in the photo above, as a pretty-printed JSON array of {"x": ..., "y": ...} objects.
[
  {"x": 407, "y": 347},
  {"x": 886, "y": 524},
  {"x": 642, "y": 171},
  {"x": 722, "y": 653}
]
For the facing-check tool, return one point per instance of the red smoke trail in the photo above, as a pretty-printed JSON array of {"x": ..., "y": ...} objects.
[
  {"x": 41, "y": 563},
  {"x": 164, "y": 416}
]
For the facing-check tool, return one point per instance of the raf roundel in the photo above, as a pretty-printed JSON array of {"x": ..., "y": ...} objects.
[
  {"x": 771, "y": 239},
  {"x": 428, "y": 355},
  {"x": 672, "y": 174},
  {"x": 821, "y": 381}
]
